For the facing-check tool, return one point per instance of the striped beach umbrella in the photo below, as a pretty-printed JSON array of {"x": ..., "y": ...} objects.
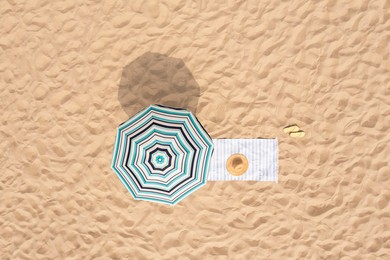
[{"x": 162, "y": 154}]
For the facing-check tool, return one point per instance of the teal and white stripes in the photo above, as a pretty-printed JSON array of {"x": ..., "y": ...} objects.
[{"x": 162, "y": 154}]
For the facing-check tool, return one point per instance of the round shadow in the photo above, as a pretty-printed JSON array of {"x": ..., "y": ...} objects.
[{"x": 154, "y": 78}]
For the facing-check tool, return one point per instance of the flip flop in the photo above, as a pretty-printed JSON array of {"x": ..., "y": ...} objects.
[
  {"x": 291, "y": 128},
  {"x": 297, "y": 134}
]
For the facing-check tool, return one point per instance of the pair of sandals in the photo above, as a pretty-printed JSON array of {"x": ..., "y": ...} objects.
[{"x": 294, "y": 131}]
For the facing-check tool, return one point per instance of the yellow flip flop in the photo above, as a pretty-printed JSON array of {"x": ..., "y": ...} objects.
[
  {"x": 297, "y": 134},
  {"x": 291, "y": 128}
]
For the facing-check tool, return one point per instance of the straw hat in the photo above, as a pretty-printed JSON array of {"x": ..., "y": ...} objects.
[{"x": 237, "y": 164}]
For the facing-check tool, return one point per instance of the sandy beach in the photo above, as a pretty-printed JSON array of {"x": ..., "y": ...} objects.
[{"x": 71, "y": 72}]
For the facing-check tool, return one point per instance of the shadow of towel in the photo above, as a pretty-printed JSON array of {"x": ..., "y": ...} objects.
[{"x": 154, "y": 78}]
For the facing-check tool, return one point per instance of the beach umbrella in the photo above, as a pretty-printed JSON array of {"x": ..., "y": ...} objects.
[{"x": 162, "y": 154}]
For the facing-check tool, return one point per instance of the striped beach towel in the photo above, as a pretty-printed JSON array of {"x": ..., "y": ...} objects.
[{"x": 262, "y": 155}]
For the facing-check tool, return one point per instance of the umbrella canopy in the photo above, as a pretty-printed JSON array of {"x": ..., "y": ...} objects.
[{"x": 162, "y": 154}]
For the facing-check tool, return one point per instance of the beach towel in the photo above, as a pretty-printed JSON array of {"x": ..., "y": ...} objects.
[{"x": 262, "y": 155}]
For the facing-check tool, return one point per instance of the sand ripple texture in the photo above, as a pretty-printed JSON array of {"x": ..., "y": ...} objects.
[{"x": 323, "y": 65}]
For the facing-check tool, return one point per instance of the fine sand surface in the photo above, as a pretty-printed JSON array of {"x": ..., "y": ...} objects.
[{"x": 70, "y": 73}]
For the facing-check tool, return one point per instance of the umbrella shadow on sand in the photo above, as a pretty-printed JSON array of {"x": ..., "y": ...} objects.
[{"x": 154, "y": 78}]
